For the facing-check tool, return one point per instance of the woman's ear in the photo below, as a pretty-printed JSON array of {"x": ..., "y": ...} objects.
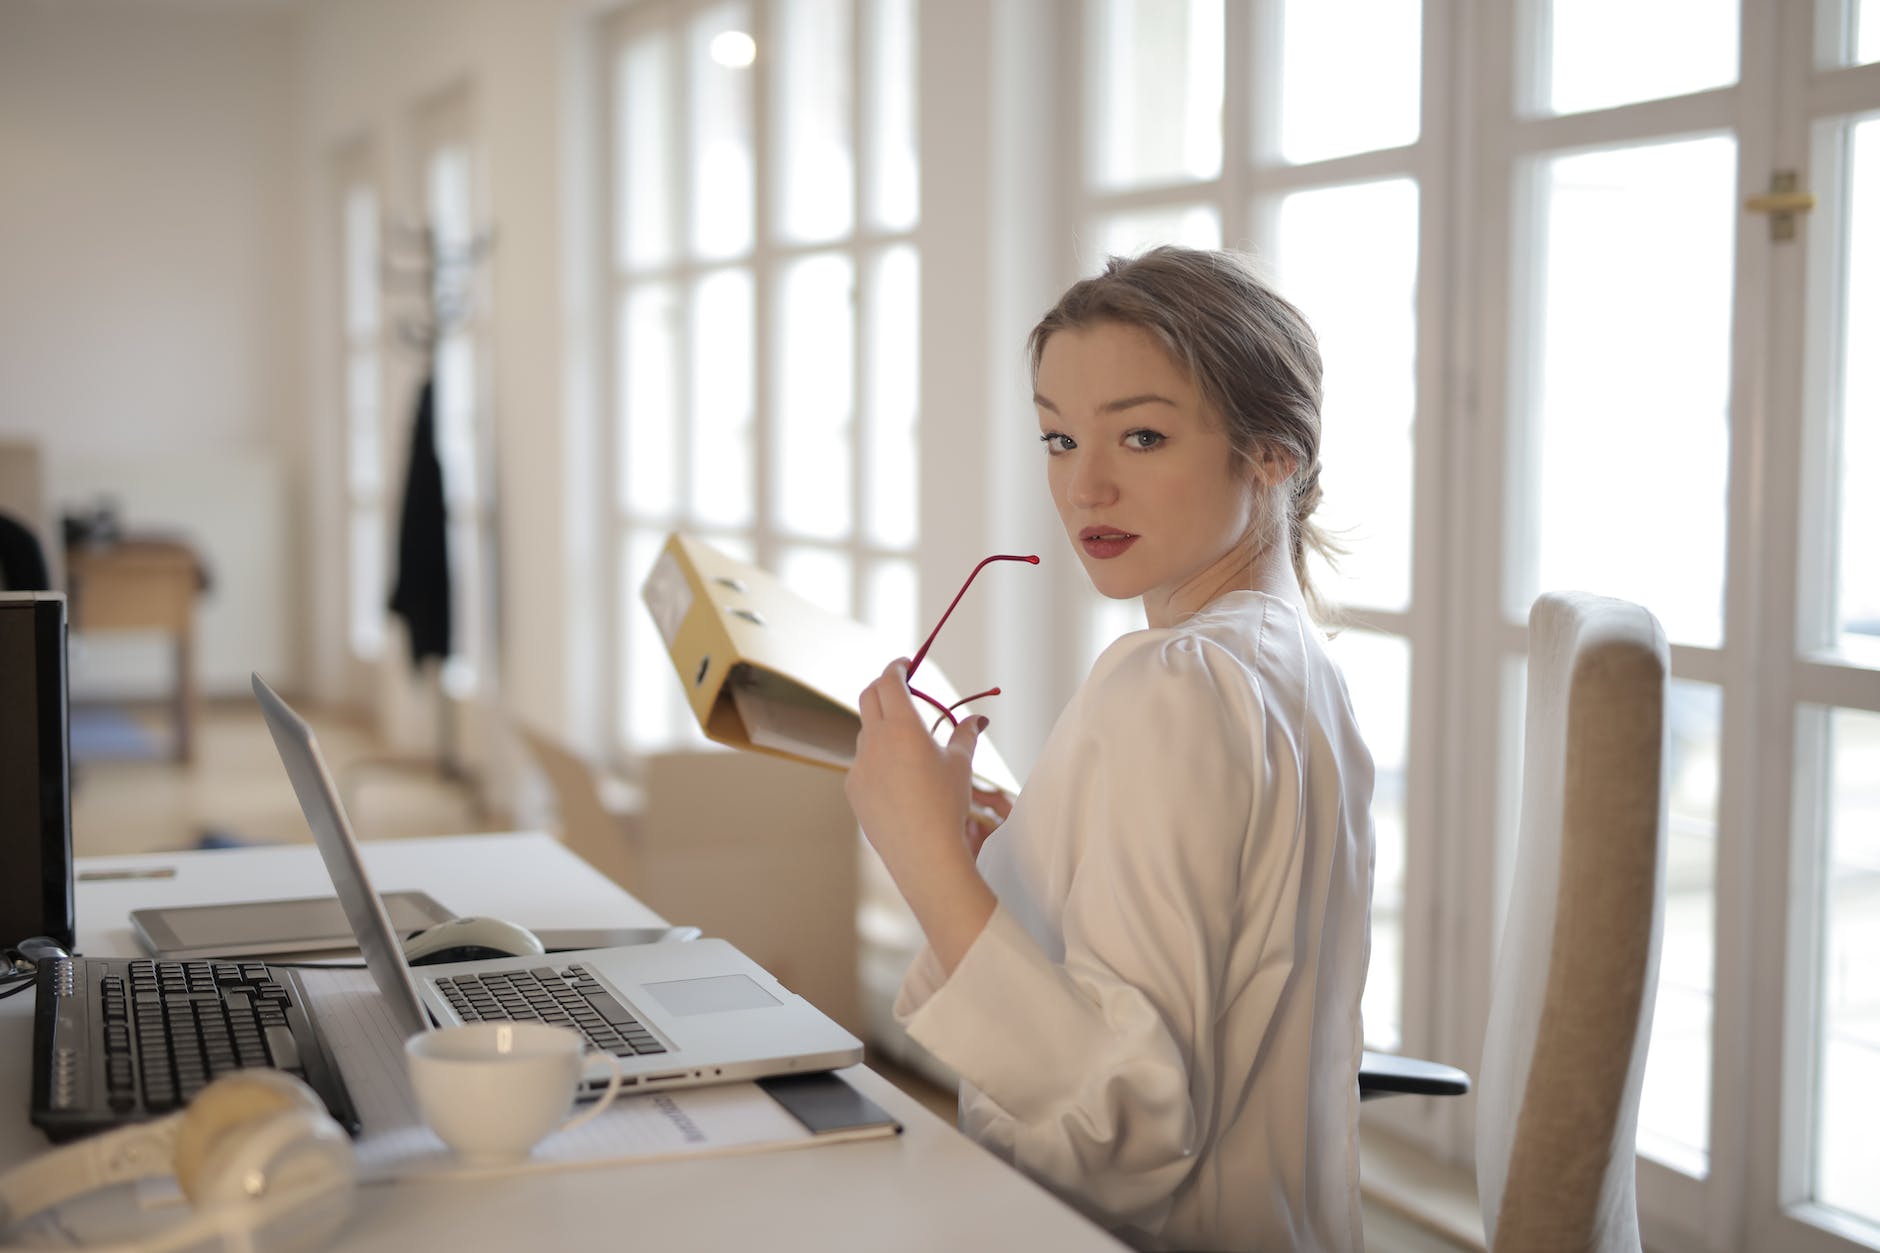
[{"x": 1273, "y": 467}]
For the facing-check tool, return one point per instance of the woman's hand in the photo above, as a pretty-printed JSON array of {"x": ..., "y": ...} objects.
[
  {"x": 989, "y": 810},
  {"x": 912, "y": 797}
]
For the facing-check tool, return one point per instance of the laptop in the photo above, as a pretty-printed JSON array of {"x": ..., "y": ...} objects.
[{"x": 674, "y": 1014}]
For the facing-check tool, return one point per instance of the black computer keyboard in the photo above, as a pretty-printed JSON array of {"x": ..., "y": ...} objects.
[{"x": 119, "y": 1040}]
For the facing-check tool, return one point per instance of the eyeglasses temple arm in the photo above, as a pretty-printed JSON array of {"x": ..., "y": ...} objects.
[{"x": 933, "y": 634}]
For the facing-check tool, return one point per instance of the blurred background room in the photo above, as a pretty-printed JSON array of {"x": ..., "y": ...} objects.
[{"x": 1598, "y": 289}]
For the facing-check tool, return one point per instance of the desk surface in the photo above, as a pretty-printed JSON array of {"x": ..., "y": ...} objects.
[{"x": 930, "y": 1188}]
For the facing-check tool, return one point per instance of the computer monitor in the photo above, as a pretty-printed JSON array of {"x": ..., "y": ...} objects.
[{"x": 35, "y": 770}]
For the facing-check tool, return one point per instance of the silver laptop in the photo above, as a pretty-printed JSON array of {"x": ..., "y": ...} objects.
[{"x": 674, "y": 1015}]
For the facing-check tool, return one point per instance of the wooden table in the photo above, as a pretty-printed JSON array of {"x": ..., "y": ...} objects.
[{"x": 144, "y": 585}]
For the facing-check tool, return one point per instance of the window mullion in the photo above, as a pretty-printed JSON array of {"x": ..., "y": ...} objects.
[
  {"x": 681, "y": 107},
  {"x": 764, "y": 262},
  {"x": 861, "y": 300}
]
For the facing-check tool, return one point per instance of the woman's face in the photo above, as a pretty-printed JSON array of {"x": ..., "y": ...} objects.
[{"x": 1152, "y": 495}]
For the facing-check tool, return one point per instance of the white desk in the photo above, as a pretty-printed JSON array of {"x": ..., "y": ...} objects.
[{"x": 930, "y": 1188}]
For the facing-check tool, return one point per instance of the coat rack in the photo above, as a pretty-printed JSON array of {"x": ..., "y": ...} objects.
[
  {"x": 417, "y": 262},
  {"x": 441, "y": 273}
]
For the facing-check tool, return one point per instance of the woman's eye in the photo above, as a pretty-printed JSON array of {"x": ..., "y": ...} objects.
[
  {"x": 1144, "y": 439},
  {"x": 1056, "y": 443}
]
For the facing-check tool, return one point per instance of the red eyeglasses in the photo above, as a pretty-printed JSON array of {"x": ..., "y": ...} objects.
[{"x": 946, "y": 711}]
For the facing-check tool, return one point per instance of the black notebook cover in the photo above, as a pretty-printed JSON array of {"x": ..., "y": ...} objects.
[{"x": 826, "y": 1103}]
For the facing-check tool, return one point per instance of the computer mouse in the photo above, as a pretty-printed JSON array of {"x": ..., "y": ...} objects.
[{"x": 469, "y": 939}]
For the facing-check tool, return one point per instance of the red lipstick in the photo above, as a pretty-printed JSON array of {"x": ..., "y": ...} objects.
[{"x": 1104, "y": 542}]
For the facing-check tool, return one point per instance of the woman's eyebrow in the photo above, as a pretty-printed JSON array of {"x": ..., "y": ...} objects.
[{"x": 1111, "y": 406}]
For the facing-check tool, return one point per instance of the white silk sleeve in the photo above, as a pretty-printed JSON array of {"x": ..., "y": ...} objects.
[{"x": 1095, "y": 1073}]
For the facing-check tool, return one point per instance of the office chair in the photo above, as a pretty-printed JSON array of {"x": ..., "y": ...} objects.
[
  {"x": 1563, "y": 1058},
  {"x": 1570, "y": 1014},
  {"x": 22, "y": 558},
  {"x": 596, "y": 821}
]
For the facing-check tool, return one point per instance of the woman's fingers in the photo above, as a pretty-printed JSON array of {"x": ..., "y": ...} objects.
[
  {"x": 965, "y": 737},
  {"x": 993, "y": 799},
  {"x": 880, "y": 698}
]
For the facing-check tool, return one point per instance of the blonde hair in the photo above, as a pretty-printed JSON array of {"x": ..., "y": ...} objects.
[{"x": 1249, "y": 352}]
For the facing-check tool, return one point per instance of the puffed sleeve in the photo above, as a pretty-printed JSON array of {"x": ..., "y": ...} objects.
[{"x": 1096, "y": 1073}]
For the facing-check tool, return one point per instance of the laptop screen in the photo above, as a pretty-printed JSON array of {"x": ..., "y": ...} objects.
[{"x": 365, "y": 912}]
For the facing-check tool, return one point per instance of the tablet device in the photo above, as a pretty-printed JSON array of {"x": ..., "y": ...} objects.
[{"x": 312, "y": 924}]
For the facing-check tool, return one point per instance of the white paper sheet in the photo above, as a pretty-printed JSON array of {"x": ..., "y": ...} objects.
[{"x": 394, "y": 1143}]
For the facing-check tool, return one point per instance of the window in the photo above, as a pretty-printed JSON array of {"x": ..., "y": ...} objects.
[
  {"x": 766, "y": 370},
  {"x": 1560, "y": 353},
  {"x": 362, "y": 392},
  {"x": 458, "y": 303},
  {"x": 1328, "y": 198}
]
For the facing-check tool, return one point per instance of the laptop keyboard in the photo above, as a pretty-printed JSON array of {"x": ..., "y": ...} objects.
[{"x": 569, "y": 997}]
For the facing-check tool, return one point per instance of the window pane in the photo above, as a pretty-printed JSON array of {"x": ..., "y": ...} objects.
[
  {"x": 365, "y": 471},
  {"x": 1154, "y": 82},
  {"x": 651, "y": 702},
  {"x": 1674, "y": 1109},
  {"x": 1847, "y": 1151},
  {"x": 462, "y": 542},
  {"x": 1347, "y": 256},
  {"x": 1857, "y": 592},
  {"x": 893, "y": 599},
  {"x": 814, "y": 162},
  {"x": 369, "y": 585},
  {"x": 647, "y": 469},
  {"x": 1339, "y": 94},
  {"x": 1126, "y": 234},
  {"x": 454, "y": 409},
  {"x": 1602, "y": 53},
  {"x": 821, "y": 577},
  {"x": 894, "y": 170},
  {"x": 447, "y": 196},
  {"x": 721, "y": 113},
  {"x": 1377, "y": 676},
  {"x": 1626, "y": 476},
  {"x": 815, "y": 354},
  {"x": 893, "y": 484},
  {"x": 362, "y": 261},
  {"x": 1106, "y": 621},
  {"x": 724, "y": 474},
  {"x": 1867, "y": 32},
  {"x": 643, "y": 159}
]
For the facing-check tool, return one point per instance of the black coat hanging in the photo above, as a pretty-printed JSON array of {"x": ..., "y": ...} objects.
[{"x": 421, "y": 589}]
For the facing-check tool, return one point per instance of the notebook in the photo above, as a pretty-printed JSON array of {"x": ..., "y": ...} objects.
[{"x": 676, "y": 1014}]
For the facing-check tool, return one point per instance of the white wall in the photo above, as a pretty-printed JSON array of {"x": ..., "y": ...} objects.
[{"x": 149, "y": 292}]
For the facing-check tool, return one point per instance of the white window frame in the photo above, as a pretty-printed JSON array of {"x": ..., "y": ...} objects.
[
  {"x": 765, "y": 261},
  {"x": 1458, "y": 817},
  {"x": 355, "y": 165}
]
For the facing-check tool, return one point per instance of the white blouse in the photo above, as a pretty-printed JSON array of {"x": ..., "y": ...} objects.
[{"x": 1160, "y": 1020}]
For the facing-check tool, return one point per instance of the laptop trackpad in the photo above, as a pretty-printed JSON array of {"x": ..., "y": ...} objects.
[{"x": 715, "y": 995}]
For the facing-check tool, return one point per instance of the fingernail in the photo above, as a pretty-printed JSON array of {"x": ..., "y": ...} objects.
[{"x": 983, "y": 722}]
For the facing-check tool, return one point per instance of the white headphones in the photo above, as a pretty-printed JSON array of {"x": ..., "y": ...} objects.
[{"x": 263, "y": 1165}]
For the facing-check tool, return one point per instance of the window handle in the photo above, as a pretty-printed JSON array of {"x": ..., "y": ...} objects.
[{"x": 1781, "y": 203}]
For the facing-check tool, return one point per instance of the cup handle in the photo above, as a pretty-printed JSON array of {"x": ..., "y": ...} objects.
[{"x": 607, "y": 1097}]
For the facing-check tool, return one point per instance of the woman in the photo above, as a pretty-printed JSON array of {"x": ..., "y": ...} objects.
[{"x": 1148, "y": 976}]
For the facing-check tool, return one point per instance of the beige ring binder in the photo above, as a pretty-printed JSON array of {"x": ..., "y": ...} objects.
[{"x": 765, "y": 669}]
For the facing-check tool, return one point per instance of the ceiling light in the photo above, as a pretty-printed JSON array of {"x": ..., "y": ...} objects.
[{"x": 733, "y": 49}]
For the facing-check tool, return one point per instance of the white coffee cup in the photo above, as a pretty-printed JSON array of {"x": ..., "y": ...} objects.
[{"x": 492, "y": 1090}]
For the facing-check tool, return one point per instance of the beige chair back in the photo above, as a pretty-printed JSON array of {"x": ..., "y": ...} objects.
[
  {"x": 765, "y": 853},
  {"x": 597, "y": 827},
  {"x": 1564, "y": 1054}
]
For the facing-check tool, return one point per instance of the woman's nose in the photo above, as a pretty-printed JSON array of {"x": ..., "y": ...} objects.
[{"x": 1092, "y": 484}]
